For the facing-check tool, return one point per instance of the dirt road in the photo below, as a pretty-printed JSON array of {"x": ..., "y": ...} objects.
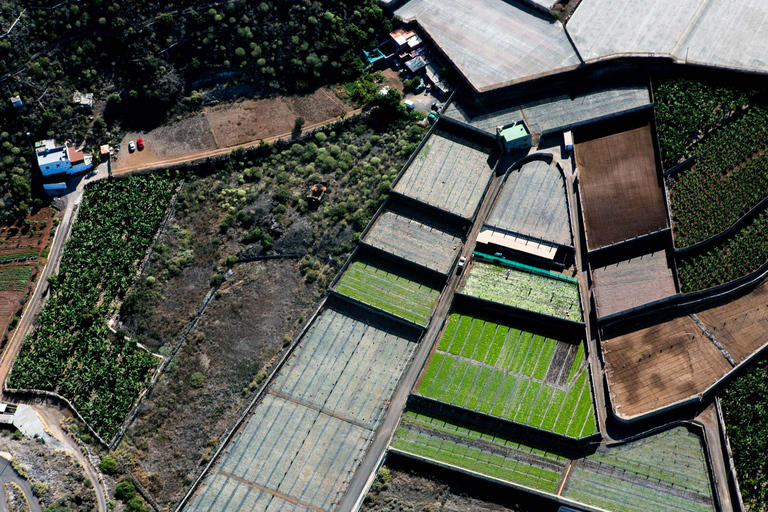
[
  {"x": 202, "y": 155},
  {"x": 365, "y": 474},
  {"x": 52, "y": 417}
]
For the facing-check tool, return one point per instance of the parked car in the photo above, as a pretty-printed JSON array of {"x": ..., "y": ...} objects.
[
  {"x": 462, "y": 262},
  {"x": 131, "y": 147},
  {"x": 140, "y": 144}
]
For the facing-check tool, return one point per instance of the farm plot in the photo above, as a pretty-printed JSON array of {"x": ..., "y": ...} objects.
[
  {"x": 71, "y": 350},
  {"x": 740, "y": 254},
  {"x": 306, "y": 437},
  {"x": 729, "y": 178},
  {"x": 557, "y": 297},
  {"x": 649, "y": 276},
  {"x": 620, "y": 187},
  {"x": 386, "y": 288},
  {"x": 14, "y": 278},
  {"x": 655, "y": 367},
  {"x": 532, "y": 202},
  {"x": 516, "y": 375},
  {"x": 450, "y": 173},
  {"x": 414, "y": 241},
  {"x": 666, "y": 472},
  {"x": 478, "y": 451}
]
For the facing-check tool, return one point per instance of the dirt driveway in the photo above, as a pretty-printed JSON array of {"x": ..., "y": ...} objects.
[{"x": 228, "y": 125}]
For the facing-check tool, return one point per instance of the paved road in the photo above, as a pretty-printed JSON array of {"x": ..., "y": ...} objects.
[
  {"x": 202, "y": 155},
  {"x": 363, "y": 477},
  {"x": 51, "y": 417},
  {"x": 8, "y": 475}
]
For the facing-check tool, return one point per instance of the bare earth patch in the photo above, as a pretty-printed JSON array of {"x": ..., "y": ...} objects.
[
  {"x": 236, "y": 123},
  {"x": 241, "y": 332},
  {"x": 189, "y": 136}
]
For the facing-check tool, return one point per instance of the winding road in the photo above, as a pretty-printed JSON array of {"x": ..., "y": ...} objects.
[{"x": 8, "y": 475}]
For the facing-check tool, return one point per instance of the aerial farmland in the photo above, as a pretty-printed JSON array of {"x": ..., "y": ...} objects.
[{"x": 377, "y": 255}]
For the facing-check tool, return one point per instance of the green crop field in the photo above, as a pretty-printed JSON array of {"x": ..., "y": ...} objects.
[
  {"x": 512, "y": 374},
  {"x": 666, "y": 471},
  {"x": 387, "y": 291},
  {"x": 14, "y": 279},
  {"x": 524, "y": 290},
  {"x": 474, "y": 450}
]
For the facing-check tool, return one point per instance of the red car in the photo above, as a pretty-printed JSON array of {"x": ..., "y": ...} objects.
[{"x": 140, "y": 144}]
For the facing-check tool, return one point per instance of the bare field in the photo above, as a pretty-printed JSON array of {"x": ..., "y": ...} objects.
[
  {"x": 238, "y": 336},
  {"x": 236, "y": 123},
  {"x": 230, "y": 124},
  {"x": 621, "y": 190},
  {"x": 182, "y": 138}
]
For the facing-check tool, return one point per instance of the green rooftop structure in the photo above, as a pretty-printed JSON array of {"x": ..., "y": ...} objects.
[{"x": 514, "y": 136}]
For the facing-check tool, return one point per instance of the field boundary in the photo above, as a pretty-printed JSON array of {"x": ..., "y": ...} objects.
[
  {"x": 432, "y": 406},
  {"x": 246, "y": 411},
  {"x": 704, "y": 245},
  {"x": 497, "y": 481},
  {"x": 733, "y": 480}
]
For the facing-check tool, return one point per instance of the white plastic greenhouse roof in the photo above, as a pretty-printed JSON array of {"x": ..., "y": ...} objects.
[
  {"x": 722, "y": 33},
  {"x": 494, "y": 42}
]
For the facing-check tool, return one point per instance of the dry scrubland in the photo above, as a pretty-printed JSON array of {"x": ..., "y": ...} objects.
[
  {"x": 63, "y": 477},
  {"x": 250, "y": 205}
]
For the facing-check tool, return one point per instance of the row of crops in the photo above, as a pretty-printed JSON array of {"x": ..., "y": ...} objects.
[
  {"x": 512, "y": 374},
  {"x": 71, "y": 350},
  {"x": 482, "y": 452},
  {"x": 525, "y": 290},
  {"x": 663, "y": 472},
  {"x": 729, "y": 178},
  {"x": 667, "y": 471},
  {"x": 14, "y": 279},
  {"x": 739, "y": 255},
  {"x": 686, "y": 108},
  {"x": 379, "y": 286}
]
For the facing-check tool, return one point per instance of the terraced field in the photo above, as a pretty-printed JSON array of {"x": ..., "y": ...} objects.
[
  {"x": 14, "y": 279},
  {"x": 512, "y": 374},
  {"x": 664, "y": 472},
  {"x": 478, "y": 451},
  {"x": 558, "y": 297},
  {"x": 381, "y": 287}
]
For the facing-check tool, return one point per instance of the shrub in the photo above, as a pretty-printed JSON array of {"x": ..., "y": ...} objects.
[
  {"x": 108, "y": 465},
  {"x": 125, "y": 490},
  {"x": 197, "y": 380},
  {"x": 39, "y": 489}
]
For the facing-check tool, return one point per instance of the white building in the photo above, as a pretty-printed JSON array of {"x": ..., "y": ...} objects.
[{"x": 54, "y": 159}]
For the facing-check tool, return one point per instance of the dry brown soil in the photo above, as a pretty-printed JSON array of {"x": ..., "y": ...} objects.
[
  {"x": 415, "y": 488},
  {"x": 16, "y": 239},
  {"x": 230, "y": 124},
  {"x": 241, "y": 332},
  {"x": 249, "y": 120}
]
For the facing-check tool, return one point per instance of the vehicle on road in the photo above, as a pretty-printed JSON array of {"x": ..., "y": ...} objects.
[
  {"x": 131, "y": 147},
  {"x": 140, "y": 144},
  {"x": 462, "y": 262}
]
